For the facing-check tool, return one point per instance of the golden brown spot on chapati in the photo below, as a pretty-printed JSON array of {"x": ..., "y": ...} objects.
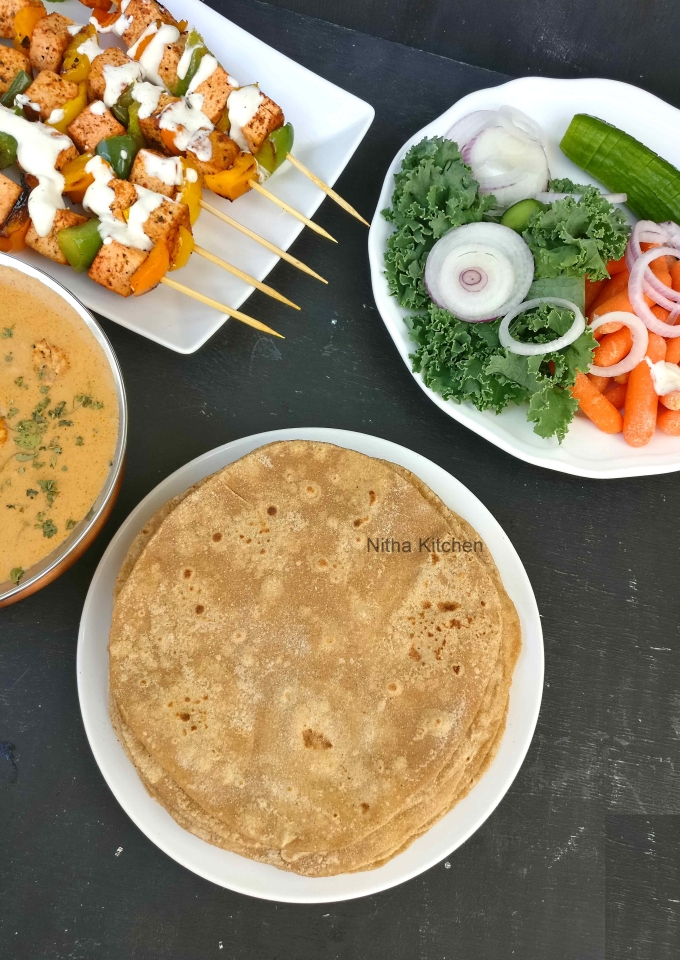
[
  {"x": 172, "y": 703},
  {"x": 323, "y": 563},
  {"x": 217, "y": 536},
  {"x": 194, "y": 727},
  {"x": 365, "y": 807},
  {"x": 426, "y": 605},
  {"x": 249, "y": 540},
  {"x": 456, "y": 668},
  {"x": 413, "y": 654},
  {"x": 187, "y": 699},
  {"x": 454, "y": 623},
  {"x": 371, "y": 497},
  {"x": 263, "y": 550},
  {"x": 144, "y": 683},
  {"x": 184, "y": 716},
  {"x": 187, "y": 574},
  {"x": 434, "y": 558},
  {"x": 271, "y": 511},
  {"x": 315, "y": 740},
  {"x": 199, "y": 608},
  {"x": 447, "y": 605}
]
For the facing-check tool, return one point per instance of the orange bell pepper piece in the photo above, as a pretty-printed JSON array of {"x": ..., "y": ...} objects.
[
  {"x": 183, "y": 249},
  {"x": 24, "y": 24},
  {"x": 16, "y": 240},
  {"x": 233, "y": 183},
  {"x": 76, "y": 179},
  {"x": 145, "y": 43},
  {"x": 150, "y": 273}
]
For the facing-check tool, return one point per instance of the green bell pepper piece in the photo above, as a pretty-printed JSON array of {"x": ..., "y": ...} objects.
[
  {"x": 80, "y": 244},
  {"x": 120, "y": 152},
  {"x": 134, "y": 126},
  {"x": 121, "y": 107},
  {"x": 20, "y": 84},
  {"x": 196, "y": 41},
  {"x": 8, "y": 150},
  {"x": 276, "y": 148}
]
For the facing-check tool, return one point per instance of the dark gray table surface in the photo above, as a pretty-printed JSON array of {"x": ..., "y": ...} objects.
[{"x": 588, "y": 832}]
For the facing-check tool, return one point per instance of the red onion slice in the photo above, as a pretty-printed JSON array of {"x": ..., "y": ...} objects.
[
  {"x": 646, "y": 231},
  {"x": 636, "y": 292},
  {"x": 637, "y": 351},
  {"x": 479, "y": 271},
  {"x": 536, "y": 349}
]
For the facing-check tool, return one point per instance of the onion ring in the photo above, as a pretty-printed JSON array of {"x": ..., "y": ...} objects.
[
  {"x": 637, "y": 351},
  {"x": 536, "y": 349},
  {"x": 636, "y": 292}
]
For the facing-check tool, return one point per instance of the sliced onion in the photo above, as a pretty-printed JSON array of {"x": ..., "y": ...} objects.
[
  {"x": 637, "y": 296},
  {"x": 637, "y": 351},
  {"x": 668, "y": 234},
  {"x": 549, "y": 197},
  {"x": 505, "y": 150},
  {"x": 479, "y": 271},
  {"x": 536, "y": 349}
]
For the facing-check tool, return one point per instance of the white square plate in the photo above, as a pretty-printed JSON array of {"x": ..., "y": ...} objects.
[
  {"x": 586, "y": 451},
  {"x": 261, "y": 879},
  {"x": 329, "y": 125}
]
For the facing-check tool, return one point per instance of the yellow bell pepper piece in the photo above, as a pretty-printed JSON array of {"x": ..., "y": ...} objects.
[
  {"x": 72, "y": 108},
  {"x": 75, "y": 66},
  {"x": 191, "y": 192},
  {"x": 183, "y": 250},
  {"x": 76, "y": 179},
  {"x": 24, "y": 25},
  {"x": 233, "y": 183}
]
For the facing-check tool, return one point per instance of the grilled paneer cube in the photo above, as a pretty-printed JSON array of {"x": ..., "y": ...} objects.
[
  {"x": 167, "y": 68},
  {"x": 164, "y": 222},
  {"x": 11, "y": 62},
  {"x": 147, "y": 167},
  {"x": 50, "y": 92},
  {"x": 114, "y": 265},
  {"x": 224, "y": 152},
  {"x": 268, "y": 118},
  {"x": 95, "y": 123},
  {"x": 150, "y": 126},
  {"x": 8, "y": 11},
  {"x": 9, "y": 194},
  {"x": 125, "y": 196},
  {"x": 48, "y": 246},
  {"x": 96, "y": 81},
  {"x": 215, "y": 91},
  {"x": 140, "y": 13},
  {"x": 49, "y": 42}
]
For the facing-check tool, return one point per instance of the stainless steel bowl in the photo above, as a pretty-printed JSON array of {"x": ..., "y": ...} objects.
[{"x": 68, "y": 551}]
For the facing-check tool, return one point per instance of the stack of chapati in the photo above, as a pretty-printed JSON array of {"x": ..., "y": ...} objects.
[{"x": 290, "y": 694}]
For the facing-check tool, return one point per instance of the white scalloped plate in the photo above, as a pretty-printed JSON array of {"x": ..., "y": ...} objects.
[
  {"x": 329, "y": 123},
  {"x": 586, "y": 452},
  {"x": 259, "y": 879}
]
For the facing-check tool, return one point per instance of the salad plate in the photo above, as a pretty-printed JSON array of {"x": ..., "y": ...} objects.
[
  {"x": 585, "y": 452},
  {"x": 329, "y": 125},
  {"x": 260, "y": 879}
]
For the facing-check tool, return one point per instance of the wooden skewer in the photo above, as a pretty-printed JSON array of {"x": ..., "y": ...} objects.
[
  {"x": 326, "y": 189},
  {"x": 291, "y": 210},
  {"x": 243, "y": 317},
  {"x": 230, "y": 268},
  {"x": 261, "y": 240}
]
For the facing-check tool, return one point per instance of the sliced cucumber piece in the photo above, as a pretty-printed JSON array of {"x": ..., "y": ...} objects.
[{"x": 517, "y": 216}]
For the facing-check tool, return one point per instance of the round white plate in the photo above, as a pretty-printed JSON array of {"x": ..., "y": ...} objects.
[
  {"x": 248, "y": 876},
  {"x": 586, "y": 451}
]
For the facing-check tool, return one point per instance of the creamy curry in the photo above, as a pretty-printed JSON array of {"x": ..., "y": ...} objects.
[{"x": 58, "y": 421}]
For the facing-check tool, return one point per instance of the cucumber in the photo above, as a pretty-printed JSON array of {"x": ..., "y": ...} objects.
[
  {"x": 624, "y": 165},
  {"x": 517, "y": 216}
]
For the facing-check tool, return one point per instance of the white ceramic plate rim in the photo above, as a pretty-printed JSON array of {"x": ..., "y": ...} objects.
[
  {"x": 261, "y": 880},
  {"x": 586, "y": 452}
]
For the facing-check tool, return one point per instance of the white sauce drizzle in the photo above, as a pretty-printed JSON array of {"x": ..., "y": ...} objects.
[
  {"x": 185, "y": 59},
  {"x": 185, "y": 118},
  {"x": 147, "y": 96},
  {"x": 119, "y": 78},
  {"x": 242, "y": 106},
  {"x": 206, "y": 68},
  {"x": 75, "y": 28},
  {"x": 665, "y": 376},
  {"x": 191, "y": 175},
  {"x": 154, "y": 50},
  {"x": 98, "y": 108},
  {"x": 166, "y": 169},
  {"x": 56, "y": 115},
  {"x": 90, "y": 48},
  {"x": 99, "y": 198},
  {"x": 23, "y": 101},
  {"x": 38, "y": 147}
]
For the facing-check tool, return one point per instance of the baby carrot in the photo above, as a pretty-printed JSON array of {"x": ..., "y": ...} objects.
[
  {"x": 616, "y": 394},
  {"x": 659, "y": 268},
  {"x": 671, "y": 400},
  {"x": 639, "y": 419},
  {"x": 616, "y": 266},
  {"x": 600, "y": 383},
  {"x": 669, "y": 422},
  {"x": 613, "y": 347},
  {"x": 622, "y": 378},
  {"x": 673, "y": 349},
  {"x": 595, "y": 406},
  {"x": 618, "y": 283},
  {"x": 593, "y": 290}
]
